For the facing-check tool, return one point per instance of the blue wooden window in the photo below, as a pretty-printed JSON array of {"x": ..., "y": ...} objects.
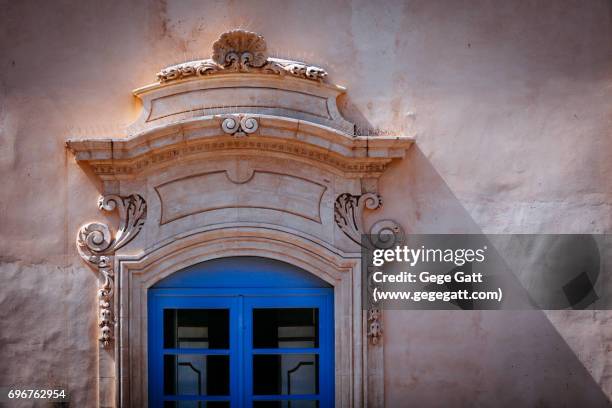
[{"x": 241, "y": 332}]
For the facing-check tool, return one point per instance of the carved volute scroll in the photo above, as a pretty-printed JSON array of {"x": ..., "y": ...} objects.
[
  {"x": 96, "y": 245},
  {"x": 239, "y": 125}
]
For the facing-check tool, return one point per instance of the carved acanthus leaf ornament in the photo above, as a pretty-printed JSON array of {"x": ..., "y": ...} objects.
[
  {"x": 348, "y": 214},
  {"x": 97, "y": 246},
  {"x": 241, "y": 51}
]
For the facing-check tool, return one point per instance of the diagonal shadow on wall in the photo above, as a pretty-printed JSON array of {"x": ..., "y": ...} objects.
[{"x": 469, "y": 358}]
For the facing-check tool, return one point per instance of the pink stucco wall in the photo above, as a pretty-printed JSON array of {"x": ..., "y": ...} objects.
[{"x": 509, "y": 102}]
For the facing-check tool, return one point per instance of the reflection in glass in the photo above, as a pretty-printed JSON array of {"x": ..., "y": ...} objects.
[
  {"x": 196, "y": 375},
  {"x": 196, "y": 328},
  {"x": 287, "y": 374},
  {"x": 286, "y": 404},
  {"x": 286, "y": 328}
]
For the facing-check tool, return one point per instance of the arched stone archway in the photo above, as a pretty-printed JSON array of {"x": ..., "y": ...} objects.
[{"x": 341, "y": 270}]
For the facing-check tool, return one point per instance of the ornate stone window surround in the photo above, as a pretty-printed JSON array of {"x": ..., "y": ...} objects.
[{"x": 274, "y": 172}]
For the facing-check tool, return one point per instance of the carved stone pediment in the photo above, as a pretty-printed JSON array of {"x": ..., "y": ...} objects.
[{"x": 190, "y": 112}]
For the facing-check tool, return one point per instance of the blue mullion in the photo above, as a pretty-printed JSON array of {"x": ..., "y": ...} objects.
[
  {"x": 247, "y": 352},
  {"x": 235, "y": 347},
  {"x": 327, "y": 356},
  {"x": 239, "y": 355},
  {"x": 282, "y": 397},
  {"x": 287, "y": 351},
  {"x": 198, "y": 351},
  {"x": 197, "y": 398},
  {"x": 156, "y": 359}
]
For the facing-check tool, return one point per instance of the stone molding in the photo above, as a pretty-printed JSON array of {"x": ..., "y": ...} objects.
[
  {"x": 240, "y": 93},
  {"x": 198, "y": 138},
  {"x": 96, "y": 245}
]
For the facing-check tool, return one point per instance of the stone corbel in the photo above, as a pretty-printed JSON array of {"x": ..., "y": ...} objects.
[
  {"x": 348, "y": 214},
  {"x": 97, "y": 246}
]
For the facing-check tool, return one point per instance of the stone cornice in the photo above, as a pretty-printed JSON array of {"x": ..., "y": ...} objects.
[{"x": 354, "y": 156}]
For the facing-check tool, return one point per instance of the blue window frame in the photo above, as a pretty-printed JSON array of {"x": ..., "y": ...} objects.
[{"x": 219, "y": 338}]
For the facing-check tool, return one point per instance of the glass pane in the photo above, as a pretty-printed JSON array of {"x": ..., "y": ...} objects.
[
  {"x": 218, "y": 404},
  {"x": 183, "y": 404},
  {"x": 196, "y": 328},
  {"x": 196, "y": 375},
  {"x": 286, "y": 328},
  {"x": 196, "y": 404},
  {"x": 286, "y": 404},
  {"x": 285, "y": 374}
]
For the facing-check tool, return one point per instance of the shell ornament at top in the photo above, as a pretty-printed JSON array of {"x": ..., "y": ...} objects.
[{"x": 239, "y": 49}]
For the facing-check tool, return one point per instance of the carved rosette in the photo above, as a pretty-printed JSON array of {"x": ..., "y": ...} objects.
[
  {"x": 96, "y": 245},
  {"x": 241, "y": 51},
  {"x": 348, "y": 214}
]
